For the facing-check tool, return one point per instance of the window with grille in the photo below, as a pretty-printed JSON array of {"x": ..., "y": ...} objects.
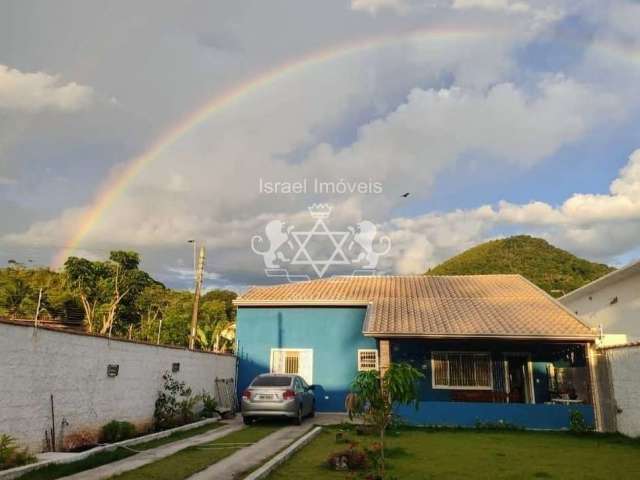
[
  {"x": 461, "y": 370},
  {"x": 294, "y": 361},
  {"x": 367, "y": 360}
]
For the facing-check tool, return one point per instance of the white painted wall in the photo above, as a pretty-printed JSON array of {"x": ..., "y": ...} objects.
[
  {"x": 73, "y": 368},
  {"x": 625, "y": 372},
  {"x": 595, "y": 308}
]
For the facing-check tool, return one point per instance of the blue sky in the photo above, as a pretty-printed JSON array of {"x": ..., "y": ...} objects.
[{"x": 522, "y": 118}]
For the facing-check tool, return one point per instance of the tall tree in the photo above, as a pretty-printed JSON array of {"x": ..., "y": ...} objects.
[
  {"x": 14, "y": 292},
  {"x": 108, "y": 288},
  {"x": 152, "y": 304},
  {"x": 85, "y": 279}
]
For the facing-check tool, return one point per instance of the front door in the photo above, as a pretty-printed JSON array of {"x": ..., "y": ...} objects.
[{"x": 518, "y": 378}]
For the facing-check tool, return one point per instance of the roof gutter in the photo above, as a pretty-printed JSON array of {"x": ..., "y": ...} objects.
[
  {"x": 301, "y": 303},
  {"x": 583, "y": 338}
]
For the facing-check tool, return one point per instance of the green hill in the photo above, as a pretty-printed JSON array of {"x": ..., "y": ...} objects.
[{"x": 552, "y": 269}]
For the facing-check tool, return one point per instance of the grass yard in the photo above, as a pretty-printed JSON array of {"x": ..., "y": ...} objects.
[
  {"x": 191, "y": 460},
  {"x": 51, "y": 472},
  {"x": 482, "y": 454}
]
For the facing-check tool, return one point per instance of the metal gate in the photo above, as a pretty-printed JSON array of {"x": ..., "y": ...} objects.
[{"x": 607, "y": 407}]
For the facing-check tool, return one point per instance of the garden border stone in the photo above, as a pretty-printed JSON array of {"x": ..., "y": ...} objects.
[
  {"x": 16, "y": 472},
  {"x": 284, "y": 455}
]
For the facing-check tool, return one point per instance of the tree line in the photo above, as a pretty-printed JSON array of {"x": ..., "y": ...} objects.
[{"x": 115, "y": 297}]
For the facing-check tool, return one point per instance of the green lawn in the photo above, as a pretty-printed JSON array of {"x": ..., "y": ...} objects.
[
  {"x": 458, "y": 454},
  {"x": 193, "y": 459},
  {"x": 51, "y": 472}
]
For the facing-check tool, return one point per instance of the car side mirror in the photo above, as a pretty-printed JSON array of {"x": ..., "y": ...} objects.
[{"x": 311, "y": 387}]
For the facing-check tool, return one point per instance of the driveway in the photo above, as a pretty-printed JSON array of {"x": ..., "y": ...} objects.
[{"x": 231, "y": 467}]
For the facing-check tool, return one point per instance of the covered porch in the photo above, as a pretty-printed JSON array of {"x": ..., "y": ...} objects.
[{"x": 531, "y": 384}]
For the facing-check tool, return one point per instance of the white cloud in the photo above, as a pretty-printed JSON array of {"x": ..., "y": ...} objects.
[
  {"x": 7, "y": 181},
  {"x": 597, "y": 226},
  {"x": 188, "y": 274},
  {"x": 511, "y": 5},
  {"x": 373, "y": 6},
  {"x": 355, "y": 118},
  {"x": 190, "y": 196},
  {"x": 32, "y": 92}
]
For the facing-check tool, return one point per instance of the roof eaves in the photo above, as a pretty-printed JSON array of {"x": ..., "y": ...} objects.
[
  {"x": 621, "y": 345},
  {"x": 585, "y": 338},
  {"x": 302, "y": 302},
  {"x": 557, "y": 303}
]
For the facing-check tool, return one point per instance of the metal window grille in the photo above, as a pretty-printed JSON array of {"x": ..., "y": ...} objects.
[
  {"x": 461, "y": 370},
  {"x": 367, "y": 360},
  {"x": 292, "y": 362}
]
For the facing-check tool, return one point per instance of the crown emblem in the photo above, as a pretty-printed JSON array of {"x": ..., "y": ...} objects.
[{"x": 320, "y": 210}]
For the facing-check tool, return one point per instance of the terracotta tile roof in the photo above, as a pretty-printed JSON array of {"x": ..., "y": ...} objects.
[{"x": 420, "y": 305}]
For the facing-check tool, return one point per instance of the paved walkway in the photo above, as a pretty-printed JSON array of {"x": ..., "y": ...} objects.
[
  {"x": 248, "y": 458},
  {"x": 226, "y": 469},
  {"x": 154, "y": 454}
]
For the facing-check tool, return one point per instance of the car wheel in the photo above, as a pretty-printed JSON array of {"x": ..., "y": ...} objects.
[
  {"x": 298, "y": 419},
  {"x": 247, "y": 420},
  {"x": 312, "y": 413}
]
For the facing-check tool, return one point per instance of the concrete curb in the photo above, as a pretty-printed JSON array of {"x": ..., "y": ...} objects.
[
  {"x": 284, "y": 455},
  {"x": 17, "y": 472}
]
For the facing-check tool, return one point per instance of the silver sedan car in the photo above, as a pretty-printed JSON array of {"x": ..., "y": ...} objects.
[{"x": 278, "y": 395}]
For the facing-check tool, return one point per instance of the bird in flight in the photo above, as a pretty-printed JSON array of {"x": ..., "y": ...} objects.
[{"x": 405, "y": 195}]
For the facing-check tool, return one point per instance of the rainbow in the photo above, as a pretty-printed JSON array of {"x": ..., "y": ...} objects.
[{"x": 114, "y": 187}]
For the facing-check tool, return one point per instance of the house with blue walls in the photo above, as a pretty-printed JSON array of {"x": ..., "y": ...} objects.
[{"x": 493, "y": 348}]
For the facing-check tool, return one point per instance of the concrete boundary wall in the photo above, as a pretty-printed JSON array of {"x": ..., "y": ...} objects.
[
  {"x": 624, "y": 362},
  {"x": 73, "y": 368}
]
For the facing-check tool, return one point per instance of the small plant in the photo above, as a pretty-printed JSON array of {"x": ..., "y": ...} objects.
[
  {"x": 209, "y": 405},
  {"x": 577, "y": 423},
  {"x": 11, "y": 455},
  {"x": 116, "y": 431},
  {"x": 374, "y": 398},
  {"x": 374, "y": 458},
  {"x": 351, "y": 458},
  {"x": 174, "y": 405}
]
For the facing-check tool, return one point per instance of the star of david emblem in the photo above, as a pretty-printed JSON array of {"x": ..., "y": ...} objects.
[{"x": 319, "y": 229}]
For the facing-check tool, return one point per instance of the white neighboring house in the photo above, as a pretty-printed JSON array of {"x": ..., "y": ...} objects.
[{"x": 611, "y": 303}]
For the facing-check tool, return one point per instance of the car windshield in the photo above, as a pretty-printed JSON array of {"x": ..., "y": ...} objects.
[{"x": 272, "y": 381}]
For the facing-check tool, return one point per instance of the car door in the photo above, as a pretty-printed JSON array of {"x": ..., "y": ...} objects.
[
  {"x": 308, "y": 396},
  {"x": 301, "y": 394}
]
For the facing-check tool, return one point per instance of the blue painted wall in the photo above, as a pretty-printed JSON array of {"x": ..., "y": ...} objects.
[
  {"x": 334, "y": 334},
  {"x": 418, "y": 354},
  {"x": 436, "y": 405},
  {"x": 465, "y": 414}
]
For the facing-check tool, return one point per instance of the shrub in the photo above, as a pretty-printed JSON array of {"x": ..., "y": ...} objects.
[
  {"x": 351, "y": 458},
  {"x": 116, "y": 431},
  {"x": 577, "y": 423},
  {"x": 80, "y": 440},
  {"x": 174, "y": 405},
  {"x": 11, "y": 455},
  {"x": 499, "y": 425},
  {"x": 209, "y": 405}
]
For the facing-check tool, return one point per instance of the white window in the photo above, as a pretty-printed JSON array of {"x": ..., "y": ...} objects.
[
  {"x": 461, "y": 370},
  {"x": 297, "y": 361},
  {"x": 367, "y": 359}
]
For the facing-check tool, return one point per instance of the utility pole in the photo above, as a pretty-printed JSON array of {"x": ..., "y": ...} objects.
[
  {"x": 196, "y": 298},
  {"x": 35, "y": 319}
]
